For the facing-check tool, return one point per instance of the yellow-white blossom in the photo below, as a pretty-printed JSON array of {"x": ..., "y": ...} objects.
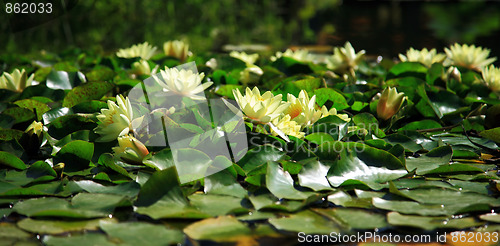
[
  {"x": 16, "y": 81},
  {"x": 251, "y": 74},
  {"x": 248, "y": 59},
  {"x": 212, "y": 63},
  {"x": 35, "y": 128},
  {"x": 116, "y": 120},
  {"x": 424, "y": 56},
  {"x": 389, "y": 103},
  {"x": 491, "y": 76},
  {"x": 130, "y": 149},
  {"x": 469, "y": 56},
  {"x": 345, "y": 58},
  {"x": 301, "y": 55},
  {"x": 260, "y": 108},
  {"x": 182, "y": 82},
  {"x": 177, "y": 49},
  {"x": 142, "y": 68},
  {"x": 287, "y": 126},
  {"x": 333, "y": 111},
  {"x": 302, "y": 109},
  {"x": 144, "y": 51}
]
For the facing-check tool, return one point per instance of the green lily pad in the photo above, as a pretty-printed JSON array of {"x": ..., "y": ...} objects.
[
  {"x": 307, "y": 222},
  {"x": 431, "y": 223},
  {"x": 60, "y": 226},
  {"x": 137, "y": 233},
  {"x": 280, "y": 183}
]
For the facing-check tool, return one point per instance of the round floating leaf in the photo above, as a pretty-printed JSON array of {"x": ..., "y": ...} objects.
[
  {"x": 260, "y": 155},
  {"x": 216, "y": 205},
  {"x": 76, "y": 155},
  {"x": 327, "y": 94},
  {"x": 11, "y": 160},
  {"x": 407, "y": 69},
  {"x": 58, "y": 226},
  {"x": 431, "y": 223},
  {"x": 280, "y": 183},
  {"x": 313, "y": 175},
  {"x": 220, "y": 229},
  {"x": 10, "y": 134},
  {"x": 307, "y": 222},
  {"x": 430, "y": 161},
  {"x": 79, "y": 240},
  {"x": 140, "y": 233},
  {"x": 355, "y": 218},
  {"x": 86, "y": 92},
  {"x": 20, "y": 114},
  {"x": 64, "y": 125}
]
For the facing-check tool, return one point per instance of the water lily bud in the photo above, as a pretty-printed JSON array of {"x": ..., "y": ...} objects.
[
  {"x": 35, "y": 128},
  {"x": 452, "y": 73},
  {"x": 130, "y": 149},
  {"x": 389, "y": 103}
]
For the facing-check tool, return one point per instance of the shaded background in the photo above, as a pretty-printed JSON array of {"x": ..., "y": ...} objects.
[{"x": 380, "y": 27}]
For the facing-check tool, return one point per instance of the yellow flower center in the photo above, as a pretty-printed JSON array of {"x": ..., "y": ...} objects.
[{"x": 294, "y": 111}]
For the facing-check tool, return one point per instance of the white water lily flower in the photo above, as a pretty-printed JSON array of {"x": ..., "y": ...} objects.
[
  {"x": 212, "y": 63},
  {"x": 16, "y": 81},
  {"x": 177, "y": 49},
  {"x": 471, "y": 57},
  {"x": 130, "y": 149},
  {"x": 491, "y": 76},
  {"x": 35, "y": 128},
  {"x": 287, "y": 126},
  {"x": 424, "y": 56},
  {"x": 142, "y": 68},
  {"x": 345, "y": 57},
  {"x": 260, "y": 108},
  {"x": 144, "y": 51},
  {"x": 299, "y": 55},
  {"x": 182, "y": 82},
  {"x": 116, "y": 120},
  {"x": 251, "y": 74},
  {"x": 302, "y": 109},
  {"x": 248, "y": 59}
]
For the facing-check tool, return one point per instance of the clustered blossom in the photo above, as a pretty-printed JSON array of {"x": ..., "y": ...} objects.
[
  {"x": 130, "y": 150},
  {"x": 424, "y": 56},
  {"x": 144, "y": 51},
  {"x": 288, "y": 117},
  {"x": 16, "y": 81},
  {"x": 182, "y": 82}
]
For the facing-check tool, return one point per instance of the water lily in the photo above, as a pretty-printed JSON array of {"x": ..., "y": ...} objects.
[
  {"x": 260, "y": 108},
  {"x": 16, "y": 81},
  {"x": 301, "y": 55},
  {"x": 35, "y": 128},
  {"x": 251, "y": 74},
  {"x": 144, "y": 51},
  {"x": 142, "y": 67},
  {"x": 248, "y": 59},
  {"x": 469, "y": 56},
  {"x": 177, "y": 49},
  {"x": 345, "y": 58},
  {"x": 389, "y": 103},
  {"x": 115, "y": 121},
  {"x": 302, "y": 109},
  {"x": 333, "y": 111},
  {"x": 182, "y": 82},
  {"x": 491, "y": 76},
  {"x": 424, "y": 56},
  {"x": 130, "y": 149},
  {"x": 287, "y": 126}
]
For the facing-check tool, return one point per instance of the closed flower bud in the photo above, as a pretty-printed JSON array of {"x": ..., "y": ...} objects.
[
  {"x": 389, "y": 103},
  {"x": 177, "y": 49},
  {"x": 130, "y": 149}
]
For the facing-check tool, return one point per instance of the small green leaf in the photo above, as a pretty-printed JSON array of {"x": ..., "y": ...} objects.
[
  {"x": 11, "y": 160},
  {"x": 327, "y": 94},
  {"x": 76, "y": 155}
]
